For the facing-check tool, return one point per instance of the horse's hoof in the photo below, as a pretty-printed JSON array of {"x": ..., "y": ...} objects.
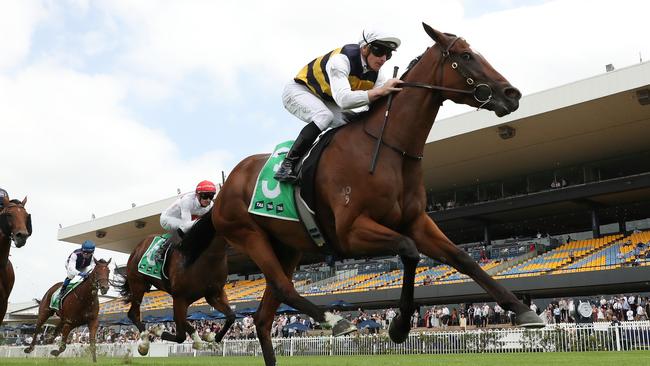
[
  {"x": 397, "y": 330},
  {"x": 530, "y": 320},
  {"x": 209, "y": 337},
  {"x": 28, "y": 350},
  {"x": 198, "y": 345},
  {"x": 55, "y": 353},
  {"x": 158, "y": 331},
  {"x": 343, "y": 327},
  {"x": 143, "y": 349}
]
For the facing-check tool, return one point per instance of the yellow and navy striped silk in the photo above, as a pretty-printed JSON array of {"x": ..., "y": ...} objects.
[{"x": 314, "y": 76}]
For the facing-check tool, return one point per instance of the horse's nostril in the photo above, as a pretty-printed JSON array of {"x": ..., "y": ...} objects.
[{"x": 512, "y": 93}]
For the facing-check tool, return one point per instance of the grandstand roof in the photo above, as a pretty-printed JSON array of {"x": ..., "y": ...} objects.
[{"x": 585, "y": 120}]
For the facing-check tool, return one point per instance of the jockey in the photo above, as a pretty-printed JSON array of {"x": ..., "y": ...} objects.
[
  {"x": 80, "y": 263},
  {"x": 178, "y": 218},
  {"x": 3, "y": 194},
  {"x": 341, "y": 80}
]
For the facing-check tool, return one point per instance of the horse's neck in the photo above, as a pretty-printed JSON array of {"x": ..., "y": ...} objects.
[
  {"x": 413, "y": 110},
  {"x": 5, "y": 245}
]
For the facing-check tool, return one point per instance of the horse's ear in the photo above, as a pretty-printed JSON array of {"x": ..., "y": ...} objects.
[
  {"x": 438, "y": 37},
  {"x": 24, "y": 201},
  {"x": 5, "y": 201},
  {"x": 109, "y": 261}
]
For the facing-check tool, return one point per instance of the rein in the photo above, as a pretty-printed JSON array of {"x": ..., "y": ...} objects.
[{"x": 476, "y": 92}]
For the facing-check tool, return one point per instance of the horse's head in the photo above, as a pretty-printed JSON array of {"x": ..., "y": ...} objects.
[
  {"x": 102, "y": 275},
  {"x": 15, "y": 222},
  {"x": 463, "y": 69}
]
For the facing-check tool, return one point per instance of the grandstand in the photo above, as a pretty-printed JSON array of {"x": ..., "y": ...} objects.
[{"x": 576, "y": 162}]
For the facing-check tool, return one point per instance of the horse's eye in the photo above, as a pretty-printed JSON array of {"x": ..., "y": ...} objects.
[{"x": 466, "y": 56}]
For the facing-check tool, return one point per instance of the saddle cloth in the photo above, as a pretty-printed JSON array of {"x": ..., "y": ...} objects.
[
  {"x": 148, "y": 265},
  {"x": 55, "y": 303}
]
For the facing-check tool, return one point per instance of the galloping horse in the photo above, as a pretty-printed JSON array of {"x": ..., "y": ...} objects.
[
  {"x": 16, "y": 225},
  {"x": 79, "y": 307},
  {"x": 369, "y": 215},
  {"x": 189, "y": 279}
]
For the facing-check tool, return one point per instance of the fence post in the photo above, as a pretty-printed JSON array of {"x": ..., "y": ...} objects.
[
  {"x": 291, "y": 346},
  {"x": 618, "y": 337},
  {"x": 331, "y": 345}
]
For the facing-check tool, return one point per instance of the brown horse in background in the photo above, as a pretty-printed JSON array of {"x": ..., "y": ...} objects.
[
  {"x": 16, "y": 225},
  {"x": 370, "y": 215},
  {"x": 79, "y": 307},
  {"x": 189, "y": 279}
]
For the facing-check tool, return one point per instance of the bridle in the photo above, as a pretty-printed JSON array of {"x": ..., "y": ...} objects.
[{"x": 481, "y": 92}]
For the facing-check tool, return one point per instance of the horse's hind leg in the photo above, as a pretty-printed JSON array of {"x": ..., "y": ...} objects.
[
  {"x": 365, "y": 236},
  {"x": 219, "y": 301},
  {"x": 93, "y": 324},
  {"x": 266, "y": 310},
  {"x": 44, "y": 313},
  {"x": 432, "y": 242},
  {"x": 67, "y": 327},
  {"x": 256, "y": 245},
  {"x": 137, "y": 288},
  {"x": 182, "y": 325}
]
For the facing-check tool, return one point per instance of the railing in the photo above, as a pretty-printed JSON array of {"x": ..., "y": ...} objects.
[{"x": 555, "y": 338}]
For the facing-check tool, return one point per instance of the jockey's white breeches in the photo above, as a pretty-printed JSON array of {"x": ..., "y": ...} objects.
[{"x": 302, "y": 103}]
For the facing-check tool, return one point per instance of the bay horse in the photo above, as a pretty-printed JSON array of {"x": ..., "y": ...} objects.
[
  {"x": 79, "y": 307},
  {"x": 189, "y": 279},
  {"x": 369, "y": 215},
  {"x": 16, "y": 226}
]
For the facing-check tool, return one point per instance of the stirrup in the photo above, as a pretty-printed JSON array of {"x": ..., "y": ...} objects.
[{"x": 286, "y": 173}]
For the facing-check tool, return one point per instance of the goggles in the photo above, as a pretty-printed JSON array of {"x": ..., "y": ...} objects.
[
  {"x": 206, "y": 196},
  {"x": 380, "y": 51}
]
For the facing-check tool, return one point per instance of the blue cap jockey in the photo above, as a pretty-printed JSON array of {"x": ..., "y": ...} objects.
[{"x": 79, "y": 263}]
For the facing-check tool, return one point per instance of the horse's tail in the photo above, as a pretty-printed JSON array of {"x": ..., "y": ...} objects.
[
  {"x": 124, "y": 289},
  {"x": 38, "y": 302},
  {"x": 197, "y": 240}
]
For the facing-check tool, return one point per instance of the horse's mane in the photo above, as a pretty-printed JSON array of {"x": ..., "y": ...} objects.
[{"x": 197, "y": 240}]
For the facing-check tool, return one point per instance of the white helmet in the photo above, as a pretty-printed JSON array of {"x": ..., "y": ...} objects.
[{"x": 375, "y": 36}]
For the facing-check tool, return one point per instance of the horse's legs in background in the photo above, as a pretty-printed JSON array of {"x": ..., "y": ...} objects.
[
  {"x": 182, "y": 326},
  {"x": 137, "y": 290},
  {"x": 266, "y": 311},
  {"x": 432, "y": 242},
  {"x": 67, "y": 327},
  {"x": 93, "y": 324},
  {"x": 367, "y": 236},
  {"x": 219, "y": 301}
]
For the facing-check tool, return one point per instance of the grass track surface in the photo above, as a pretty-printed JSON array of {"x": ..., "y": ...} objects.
[{"x": 632, "y": 358}]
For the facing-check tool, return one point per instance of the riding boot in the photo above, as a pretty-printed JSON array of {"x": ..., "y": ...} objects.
[
  {"x": 305, "y": 139},
  {"x": 64, "y": 286}
]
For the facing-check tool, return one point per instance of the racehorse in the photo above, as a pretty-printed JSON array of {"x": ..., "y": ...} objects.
[
  {"x": 16, "y": 225},
  {"x": 189, "y": 279},
  {"x": 368, "y": 215},
  {"x": 79, "y": 307}
]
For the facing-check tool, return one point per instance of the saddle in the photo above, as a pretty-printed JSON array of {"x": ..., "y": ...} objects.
[{"x": 55, "y": 303}]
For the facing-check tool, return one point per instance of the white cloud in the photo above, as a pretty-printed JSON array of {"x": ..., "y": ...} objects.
[{"x": 17, "y": 22}]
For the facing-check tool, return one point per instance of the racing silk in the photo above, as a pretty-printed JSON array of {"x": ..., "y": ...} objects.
[
  {"x": 317, "y": 76},
  {"x": 182, "y": 213},
  {"x": 76, "y": 264}
]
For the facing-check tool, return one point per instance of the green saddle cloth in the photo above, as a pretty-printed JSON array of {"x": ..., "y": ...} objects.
[
  {"x": 55, "y": 303},
  {"x": 270, "y": 197},
  {"x": 148, "y": 264}
]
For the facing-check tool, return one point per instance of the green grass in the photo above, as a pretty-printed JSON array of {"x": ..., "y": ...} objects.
[{"x": 632, "y": 358}]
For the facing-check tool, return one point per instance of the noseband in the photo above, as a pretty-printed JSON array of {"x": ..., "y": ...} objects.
[{"x": 482, "y": 92}]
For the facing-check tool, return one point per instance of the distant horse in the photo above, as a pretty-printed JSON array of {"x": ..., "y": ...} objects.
[
  {"x": 189, "y": 279},
  {"x": 16, "y": 225},
  {"x": 369, "y": 215},
  {"x": 79, "y": 307}
]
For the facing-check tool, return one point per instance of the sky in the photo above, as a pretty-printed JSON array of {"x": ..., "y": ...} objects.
[{"x": 108, "y": 103}]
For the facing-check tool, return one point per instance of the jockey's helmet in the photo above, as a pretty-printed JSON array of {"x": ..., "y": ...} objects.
[
  {"x": 377, "y": 37},
  {"x": 206, "y": 187},
  {"x": 88, "y": 246}
]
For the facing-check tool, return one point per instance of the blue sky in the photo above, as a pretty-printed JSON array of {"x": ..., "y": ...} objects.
[{"x": 105, "y": 103}]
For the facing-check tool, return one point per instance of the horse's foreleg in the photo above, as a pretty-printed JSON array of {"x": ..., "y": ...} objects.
[
  {"x": 93, "y": 324},
  {"x": 365, "y": 236},
  {"x": 182, "y": 326},
  {"x": 269, "y": 304},
  {"x": 431, "y": 241},
  {"x": 219, "y": 301}
]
